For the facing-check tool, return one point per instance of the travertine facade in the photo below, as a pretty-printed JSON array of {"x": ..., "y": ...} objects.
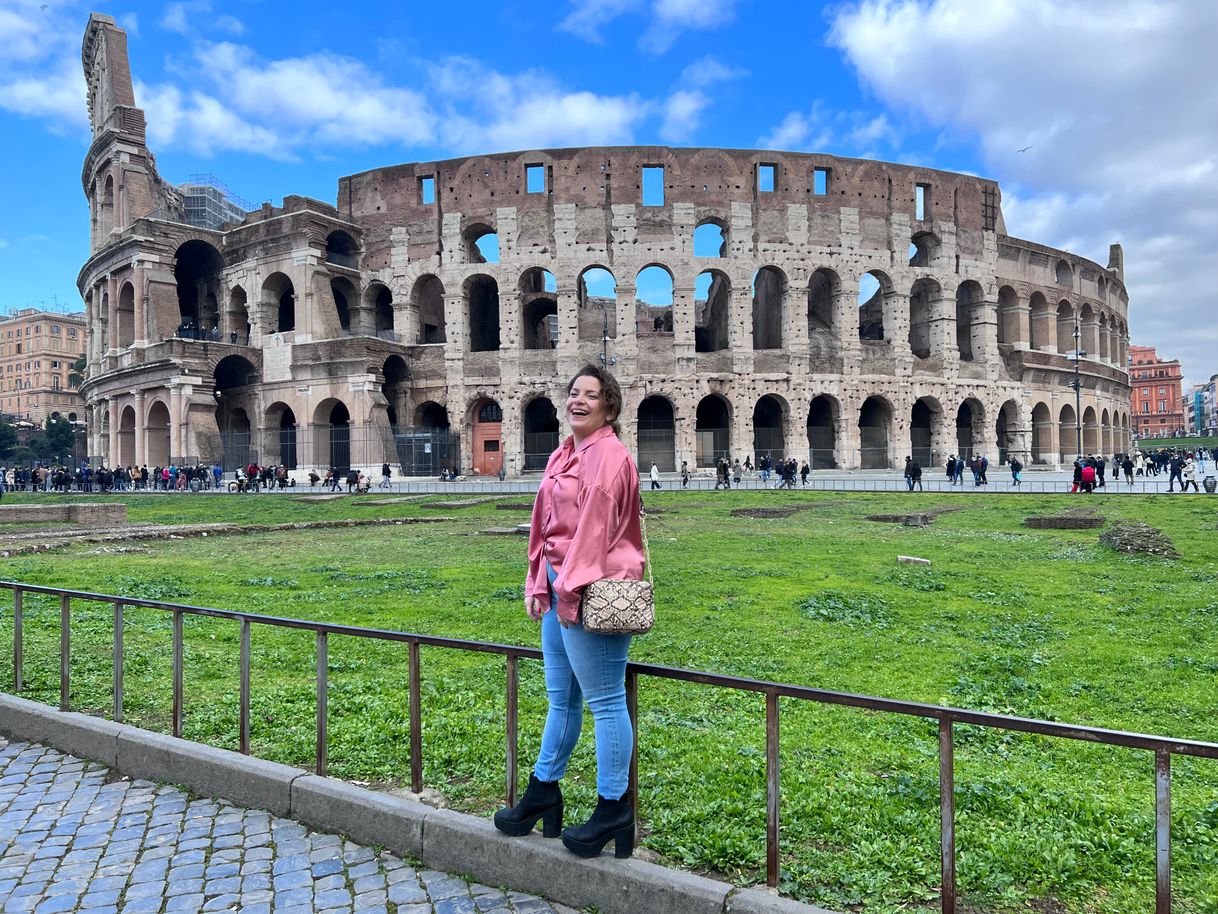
[{"x": 319, "y": 332}]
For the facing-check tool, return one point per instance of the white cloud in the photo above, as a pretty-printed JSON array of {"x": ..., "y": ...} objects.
[
  {"x": 588, "y": 17},
  {"x": 54, "y": 90},
  {"x": 667, "y": 19},
  {"x": 129, "y": 23},
  {"x": 188, "y": 17},
  {"x": 1122, "y": 125},
  {"x": 175, "y": 19},
  {"x": 708, "y": 71},
  {"x": 682, "y": 115},
  {"x": 842, "y": 132}
]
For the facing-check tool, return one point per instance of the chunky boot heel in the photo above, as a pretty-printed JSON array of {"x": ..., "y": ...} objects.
[
  {"x": 541, "y": 801},
  {"x": 613, "y": 821}
]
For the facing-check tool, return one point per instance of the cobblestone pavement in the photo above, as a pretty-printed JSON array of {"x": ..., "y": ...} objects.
[{"x": 75, "y": 838}]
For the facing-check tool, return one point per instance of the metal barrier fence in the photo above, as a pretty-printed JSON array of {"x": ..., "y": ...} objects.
[{"x": 1162, "y": 747}]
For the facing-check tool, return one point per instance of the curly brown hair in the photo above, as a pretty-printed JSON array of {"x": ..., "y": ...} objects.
[{"x": 611, "y": 391}]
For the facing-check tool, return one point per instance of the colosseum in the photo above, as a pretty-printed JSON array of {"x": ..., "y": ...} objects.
[{"x": 846, "y": 311}]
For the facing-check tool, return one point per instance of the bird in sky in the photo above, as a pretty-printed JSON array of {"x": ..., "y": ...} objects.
[{"x": 1025, "y": 149}]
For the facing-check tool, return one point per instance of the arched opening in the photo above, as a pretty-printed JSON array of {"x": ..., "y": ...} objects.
[
  {"x": 428, "y": 446},
  {"x": 540, "y": 433},
  {"x": 482, "y": 298},
  {"x": 923, "y": 248},
  {"x": 1105, "y": 339},
  {"x": 126, "y": 438},
  {"x": 710, "y": 240},
  {"x": 1068, "y": 434},
  {"x": 279, "y": 298},
  {"x": 824, "y": 287},
  {"x": 1091, "y": 435},
  {"x": 428, "y": 299},
  {"x": 126, "y": 315},
  {"x": 487, "y": 437},
  {"x": 237, "y": 317},
  {"x": 1105, "y": 434},
  {"x": 970, "y": 306},
  {"x": 1008, "y": 315},
  {"x": 341, "y": 249},
  {"x": 1065, "y": 328},
  {"x": 156, "y": 431},
  {"x": 197, "y": 267},
  {"x": 1042, "y": 435},
  {"x": 396, "y": 387},
  {"x": 822, "y": 439},
  {"x": 1012, "y": 440},
  {"x": 231, "y": 381},
  {"x": 1065, "y": 275},
  {"x": 1088, "y": 330},
  {"x": 874, "y": 290},
  {"x": 712, "y": 309},
  {"x": 921, "y": 297},
  {"x": 379, "y": 300},
  {"x": 344, "y": 294},
  {"x": 712, "y": 430},
  {"x": 769, "y": 429},
  {"x": 970, "y": 429},
  {"x": 106, "y": 212},
  {"x": 925, "y": 419},
  {"x": 597, "y": 305},
  {"x": 657, "y": 435},
  {"x": 875, "y": 425},
  {"x": 653, "y": 299},
  {"x": 1044, "y": 323},
  {"x": 769, "y": 307},
  {"x": 332, "y": 424},
  {"x": 481, "y": 244},
  {"x": 538, "y": 309},
  {"x": 280, "y": 436}
]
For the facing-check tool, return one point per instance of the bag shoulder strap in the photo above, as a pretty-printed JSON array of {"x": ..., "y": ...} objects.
[{"x": 646, "y": 548}]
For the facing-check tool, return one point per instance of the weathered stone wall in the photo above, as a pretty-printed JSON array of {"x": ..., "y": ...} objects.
[{"x": 85, "y": 513}]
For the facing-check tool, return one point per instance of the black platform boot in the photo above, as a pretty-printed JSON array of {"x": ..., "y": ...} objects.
[
  {"x": 613, "y": 821},
  {"x": 542, "y": 800}
]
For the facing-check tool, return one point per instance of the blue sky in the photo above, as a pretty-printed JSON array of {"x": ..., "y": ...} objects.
[{"x": 1117, "y": 100}]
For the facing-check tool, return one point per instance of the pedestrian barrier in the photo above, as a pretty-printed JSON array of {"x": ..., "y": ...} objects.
[{"x": 947, "y": 717}]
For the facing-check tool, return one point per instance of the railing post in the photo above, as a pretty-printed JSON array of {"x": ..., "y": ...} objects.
[
  {"x": 947, "y": 813},
  {"x": 323, "y": 681},
  {"x": 632, "y": 708},
  {"x": 1162, "y": 832},
  {"x": 177, "y": 673},
  {"x": 244, "y": 711},
  {"x": 416, "y": 721},
  {"x": 65, "y": 652},
  {"x": 18, "y": 650},
  {"x": 513, "y": 682},
  {"x": 118, "y": 662},
  {"x": 772, "y": 789}
]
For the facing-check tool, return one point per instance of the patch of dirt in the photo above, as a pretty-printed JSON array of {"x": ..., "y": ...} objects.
[
  {"x": 1077, "y": 519},
  {"x": 763, "y": 513},
  {"x": 1136, "y": 538},
  {"x": 514, "y": 506}
]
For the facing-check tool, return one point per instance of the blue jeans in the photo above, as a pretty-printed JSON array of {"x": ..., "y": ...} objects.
[{"x": 580, "y": 664}]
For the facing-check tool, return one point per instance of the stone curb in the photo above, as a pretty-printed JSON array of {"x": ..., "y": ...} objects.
[{"x": 445, "y": 840}]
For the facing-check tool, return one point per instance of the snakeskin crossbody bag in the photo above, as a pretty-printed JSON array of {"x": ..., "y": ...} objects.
[{"x": 612, "y": 606}]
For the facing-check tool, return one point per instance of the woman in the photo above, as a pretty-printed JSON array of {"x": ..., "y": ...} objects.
[{"x": 586, "y": 526}]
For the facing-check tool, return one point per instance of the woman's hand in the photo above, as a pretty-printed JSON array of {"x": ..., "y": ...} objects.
[{"x": 536, "y": 607}]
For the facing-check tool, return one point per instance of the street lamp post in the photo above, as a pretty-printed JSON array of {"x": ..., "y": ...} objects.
[{"x": 1077, "y": 385}]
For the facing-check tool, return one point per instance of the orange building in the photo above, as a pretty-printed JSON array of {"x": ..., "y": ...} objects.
[
  {"x": 37, "y": 350},
  {"x": 1157, "y": 396}
]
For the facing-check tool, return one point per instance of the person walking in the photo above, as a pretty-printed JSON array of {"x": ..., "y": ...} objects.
[
  {"x": 1016, "y": 469},
  {"x": 804, "y": 470},
  {"x": 586, "y": 525},
  {"x": 909, "y": 478},
  {"x": 684, "y": 474},
  {"x": 1176, "y": 467},
  {"x": 655, "y": 476},
  {"x": 1188, "y": 475},
  {"x": 385, "y": 474}
]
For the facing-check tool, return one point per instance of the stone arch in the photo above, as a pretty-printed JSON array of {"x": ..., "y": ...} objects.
[
  {"x": 769, "y": 307},
  {"x": 875, "y": 433},
  {"x": 876, "y": 292},
  {"x": 279, "y": 424},
  {"x": 482, "y": 309},
  {"x": 713, "y": 429},
  {"x": 237, "y": 316},
  {"x": 922, "y": 295},
  {"x": 1064, "y": 273},
  {"x": 970, "y": 429},
  {"x": 196, "y": 270},
  {"x": 711, "y": 238},
  {"x": 596, "y": 293},
  {"x": 1091, "y": 432},
  {"x": 770, "y": 415},
  {"x": 923, "y": 249},
  {"x": 481, "y": 243},
  {"x": 1010, "y": 433},
  {"x": 332, "y": 434},
  {"x": 1105, "y": 338},
  {"x": 538, "y": 310},
  {"x": 396, "y": 387},
  {"x": 427, "y": 297},
  {"x": 656, "y": 426},
  {"x": 1065, "y": 327},
  {"x": 1088, "y": 328},
  {"x": 279, "y": 302},
  {"x": 1042, "y": 435},
  {"x": 378, "y": 303},
  {"x": 926, "y": 420},
  {"x": 1043, "y": 323},
  {"x": 344, "y": 295},
  {"x": 430, "y": 414},
  {"x": 970, "y": 317},
  {"x": 486, "y": 421},
  {"x": 539, "y": 421},
  {"x": 341, "y": 249},
  {"x": 1069, "y": 445},
  {"x": 126, "y": 437},
  {"x": 653, "y": 289},
  {"x": 105, "y": 221},
  {"x": 1009, "y": 330},
  {"x": 1105, "y": 433},
  {"x": 824, "y": 413},
  {"x": 234, "y": 379},
  {"x": 126, "y": 315},
  {"x": 712, "y": 311},
  {"x": 157, "y": 434},
  {"x": 824, "y": 308}
]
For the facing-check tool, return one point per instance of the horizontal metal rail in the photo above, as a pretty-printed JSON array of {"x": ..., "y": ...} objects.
[{"x": 946, "y": 717}]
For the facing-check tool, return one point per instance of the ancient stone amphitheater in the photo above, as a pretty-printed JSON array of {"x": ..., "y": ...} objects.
[{"x": 845, "y": 311}]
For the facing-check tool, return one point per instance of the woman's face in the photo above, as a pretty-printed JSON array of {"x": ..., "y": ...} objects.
[{"x": 585, "y": 406}]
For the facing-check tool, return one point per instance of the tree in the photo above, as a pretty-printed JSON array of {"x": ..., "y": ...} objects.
[
  {"x": 57, "y": 440},
  {"x": 76, "y": 375},
  {"x": 8, "y": 438}
]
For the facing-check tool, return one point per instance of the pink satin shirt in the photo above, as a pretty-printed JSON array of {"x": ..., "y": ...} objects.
[{"x": 585, "y": 520}]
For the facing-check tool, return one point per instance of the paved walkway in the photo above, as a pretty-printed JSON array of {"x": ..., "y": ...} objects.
[{"x": 73, "y": 838}]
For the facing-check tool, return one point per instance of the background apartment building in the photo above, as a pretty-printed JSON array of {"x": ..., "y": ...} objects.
[
  {"x": 1202, "y": 408},
  {"x": 1156, "y": 393},
  {"x": 37, "y": 351}
]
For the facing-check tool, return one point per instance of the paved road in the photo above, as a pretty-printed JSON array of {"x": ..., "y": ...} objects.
[{"x": 73, "y": 838}]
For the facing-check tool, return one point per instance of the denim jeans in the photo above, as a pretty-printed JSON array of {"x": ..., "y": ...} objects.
[{"x": 584, "y": 665}]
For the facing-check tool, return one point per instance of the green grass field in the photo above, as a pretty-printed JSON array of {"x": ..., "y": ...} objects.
[{"x": 1038, "y": 623}]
